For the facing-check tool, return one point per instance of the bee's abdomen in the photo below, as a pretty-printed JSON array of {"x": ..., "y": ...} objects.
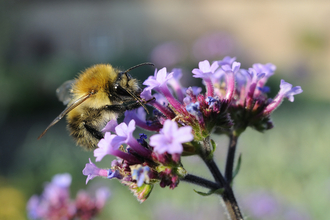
[
  {"x": 86, "y": 128},
  {"x": 81, "y": 135}
]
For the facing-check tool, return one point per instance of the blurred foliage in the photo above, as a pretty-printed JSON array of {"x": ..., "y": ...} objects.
[{"x": 13, "y": 203}]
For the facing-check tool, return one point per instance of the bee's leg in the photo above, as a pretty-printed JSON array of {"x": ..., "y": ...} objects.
[
  {"x": 95, "y": 133},
  {"x": 121, "y": 108}
]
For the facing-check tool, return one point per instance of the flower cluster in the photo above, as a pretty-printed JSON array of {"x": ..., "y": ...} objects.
[
  {"x": 141, "y": 164},
  {"x": 183, "y": 120},
  {"x": 55, "y": 203}
]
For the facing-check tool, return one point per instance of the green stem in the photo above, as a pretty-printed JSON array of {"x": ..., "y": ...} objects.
[
  {"x": 231, "y": 157},
  {"x": 201, "y": 182}
]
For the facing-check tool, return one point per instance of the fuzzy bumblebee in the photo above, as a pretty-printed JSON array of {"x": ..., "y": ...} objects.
[{"x": 99, "y": 94}]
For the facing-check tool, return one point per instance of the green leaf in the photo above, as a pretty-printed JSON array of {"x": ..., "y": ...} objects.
[
  {"x": 214, "y": 145},
  {"x": 217, "y": 191},
  {"x": 238, "y": 166},
  {"x": 142, "y": 192}
]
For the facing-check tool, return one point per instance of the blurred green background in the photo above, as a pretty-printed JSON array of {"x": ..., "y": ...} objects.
[{"x": 44, "y": 43}]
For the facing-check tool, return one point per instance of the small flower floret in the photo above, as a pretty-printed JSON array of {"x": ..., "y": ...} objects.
[
  {"x": 171, "y": 138},
  {"x": 205, "y": 69},
  {"x": 158, "y": 80},
  {"x": 91, "y": 171}
]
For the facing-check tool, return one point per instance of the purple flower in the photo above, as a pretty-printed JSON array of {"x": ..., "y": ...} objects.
[
  {"x": 58, "y": 189},
  {"x": 227, "y": 61},
  {"x": 158, "y": 82},
  {"x": 62, "y": 180},
  {"x": 110, "y": 126},
  {"x": 160, "y": 103},
  {"x": 146, "y": 94},
  {"x": 161, "y": 99},
  {"x": 91, "y": 171},
  {"x": 125, "y": 135},
  {"x": 262, "y": 205},
  {"x": 211, "y": 46},
  {"x": 191, "y": 96},
  {"x": 230, "y": 72},
  {"x": 159, "y": 79},
  {"x": 88, "y": 206},
  {"x": 138, "y": 115},
  {"x": 102, "y": 194},
  {"x": 286, "y": 91},
  {"x": 105, "y": 147},
  {"x": 167, "y": 54},
  {"x": 266, "y": 69},
  {"x": 195, "y": 90},
  {"x": 187, "y": 100},
  {"x": 205, "y": 72},
  {"x": 54, "y": 203},
  {"x": 205, "y": 69},
  {"x": 171, "y": 138},
  {"x": 33, "y": 208},
  {"x": 253, "y": 77},
  {"x": 175, "y": 83}
]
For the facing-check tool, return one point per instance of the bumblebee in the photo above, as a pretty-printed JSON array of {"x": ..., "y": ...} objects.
[{"x": 99, "y": 94}]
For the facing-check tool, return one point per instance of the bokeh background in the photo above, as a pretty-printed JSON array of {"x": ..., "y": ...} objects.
[{"x": 285, "y": 172}]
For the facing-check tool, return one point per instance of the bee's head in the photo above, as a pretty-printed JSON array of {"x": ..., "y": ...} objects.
[{"x": 127, "y": 88}]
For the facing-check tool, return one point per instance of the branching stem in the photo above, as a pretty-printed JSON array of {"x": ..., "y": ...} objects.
[
  {"x": 201, "y": 182},
  {"x": 228, "y": 196}
]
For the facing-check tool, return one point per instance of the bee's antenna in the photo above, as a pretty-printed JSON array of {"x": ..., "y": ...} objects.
[
  {"x": 136, "y": 66},
  {"x": 134, "y": 96}
]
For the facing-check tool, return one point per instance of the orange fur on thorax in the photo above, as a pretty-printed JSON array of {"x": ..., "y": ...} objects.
[{"x": 97, "y": 79}]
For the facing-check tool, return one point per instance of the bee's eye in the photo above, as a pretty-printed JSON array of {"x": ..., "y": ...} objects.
[
  {"x": 120, "y": 90},
  {"x": 128, "y": 77}
]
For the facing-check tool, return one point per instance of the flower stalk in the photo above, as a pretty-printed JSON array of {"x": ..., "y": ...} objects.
[
  {"x": 231, "y": 157},
  {"x": 228, "y": 197},
  {"x": 189, "y": 178}
]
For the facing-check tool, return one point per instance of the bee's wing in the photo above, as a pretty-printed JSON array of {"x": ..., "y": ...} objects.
[
  {"x": 64, "y": 93},
  {"x": 66, "y": 111}
]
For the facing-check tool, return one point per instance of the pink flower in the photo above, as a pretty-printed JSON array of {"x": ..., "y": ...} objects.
[{"x": 171, "y": 138}]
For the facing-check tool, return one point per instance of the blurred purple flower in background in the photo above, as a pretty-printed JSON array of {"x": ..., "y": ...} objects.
[
  {"x": 168, "y": 54},
  {"x": 262, "y": 204},
  {"x": 55, "y": 202},
  {"x": 213, "y": 46}
]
